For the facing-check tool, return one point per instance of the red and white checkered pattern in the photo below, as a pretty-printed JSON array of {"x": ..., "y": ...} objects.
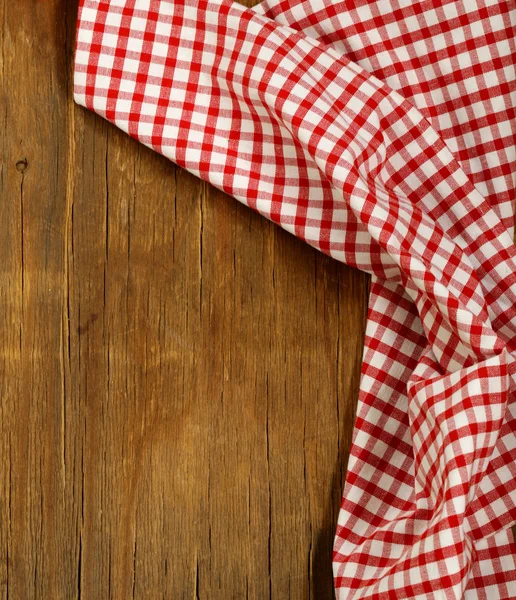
[{"x": 382, "y": 133}]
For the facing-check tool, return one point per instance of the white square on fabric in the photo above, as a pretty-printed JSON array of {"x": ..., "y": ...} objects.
[
  {"x": 138, "y": 24},
  {"x": 288, "y": 209},
  {"x": 314, "y": 213},
  {"x": 110, "y": 40},
  {"x": 79, "y": 78},
  {"x": 181, "y": 75},
  {"x": 85, "y": 36},
  {"x": 148, "y": 109},
  {"x": 163, "y": 28},
  {"x": 102, "y": 82},
  {"x": 160, "y": 49},
  {"x": 312, "y": 233},
  {"x": 156, "y": 70},
  {"x": 131, "y": 65},
  {"x": 145, "y": 129},
  {"x": 81, "y": 59},
  {"x": 100, "y": 103},
  {"x": 127, "y": 86},
  {"x": 135, "y": 45},
  {"x": 152, "y": 91},
  {"x": 113, "y": 19}
]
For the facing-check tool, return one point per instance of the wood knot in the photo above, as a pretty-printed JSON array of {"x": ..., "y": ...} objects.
[
  {"x": 84, "y": 328},
  {"x": 22, "y": 165}
]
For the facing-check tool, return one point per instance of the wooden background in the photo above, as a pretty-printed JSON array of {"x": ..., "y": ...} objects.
[{"x": 178, "y": 376}]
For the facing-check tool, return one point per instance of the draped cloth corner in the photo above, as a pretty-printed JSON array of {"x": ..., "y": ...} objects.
[{"x": 381, "y": 132}]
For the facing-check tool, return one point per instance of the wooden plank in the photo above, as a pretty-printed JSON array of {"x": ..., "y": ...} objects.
[
  {"x": 178, "y": 375},
  {"x": 38, "y": 513}
]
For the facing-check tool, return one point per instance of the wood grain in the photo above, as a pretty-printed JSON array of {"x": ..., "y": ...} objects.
[{"x": 178, "y": 375}]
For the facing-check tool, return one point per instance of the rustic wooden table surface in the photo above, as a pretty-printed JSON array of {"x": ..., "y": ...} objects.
[{"x": 178, "y": 376}]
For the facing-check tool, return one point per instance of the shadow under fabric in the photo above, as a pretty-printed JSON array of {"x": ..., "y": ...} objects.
[{"x": 382, "y": 133}]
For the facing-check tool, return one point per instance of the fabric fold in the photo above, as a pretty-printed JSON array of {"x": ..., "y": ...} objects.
[{"x": 347, "y": 125}]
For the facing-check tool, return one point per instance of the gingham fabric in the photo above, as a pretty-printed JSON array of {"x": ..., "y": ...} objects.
[{"x": 382, "y": 133}]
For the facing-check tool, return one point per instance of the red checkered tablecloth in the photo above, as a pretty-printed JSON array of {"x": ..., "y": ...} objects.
[{"x": 382, "y": 132}]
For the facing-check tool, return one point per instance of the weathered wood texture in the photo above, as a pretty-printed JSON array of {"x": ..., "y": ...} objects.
[{"x": 178, "y": 376}]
